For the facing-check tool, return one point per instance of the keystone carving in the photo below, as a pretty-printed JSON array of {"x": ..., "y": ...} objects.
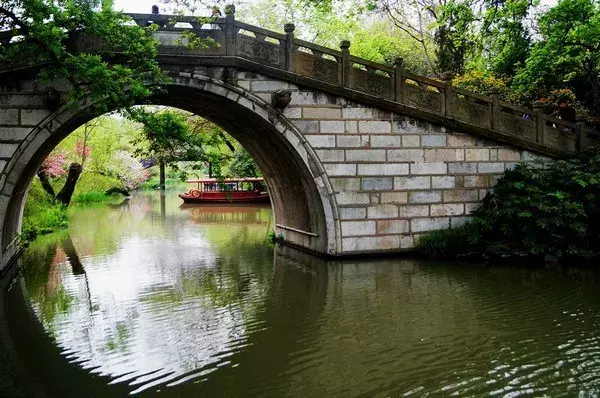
[{"x": 281, "y": 99}]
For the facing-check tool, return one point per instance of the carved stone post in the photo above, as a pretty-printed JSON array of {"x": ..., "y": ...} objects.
[
  {"x": 494, "y": 112},
  {"x": 398, "y": 80},
  {"x": 448, "y": 98},
  {"x": 345, "y": 47},
  {"x": 581, "y": 136},
  {"x": 230, "y": 30},
  {"x": 289, "y": 46},
  {"x": 539, "y": 126}
]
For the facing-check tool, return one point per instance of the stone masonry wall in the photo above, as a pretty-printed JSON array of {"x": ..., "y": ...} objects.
[{"x": 394, "y": 178}]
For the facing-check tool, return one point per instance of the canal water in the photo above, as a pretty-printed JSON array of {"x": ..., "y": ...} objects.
[{"x": 153, "y": 298}]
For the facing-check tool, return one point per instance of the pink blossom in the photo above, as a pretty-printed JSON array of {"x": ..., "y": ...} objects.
[{"x": 56, "y": 164}]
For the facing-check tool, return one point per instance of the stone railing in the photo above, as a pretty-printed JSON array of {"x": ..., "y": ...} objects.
[{"x": 388, "y": 87}]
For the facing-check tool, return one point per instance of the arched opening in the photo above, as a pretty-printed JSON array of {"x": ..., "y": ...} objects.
[{"x": 299, "y": 196}]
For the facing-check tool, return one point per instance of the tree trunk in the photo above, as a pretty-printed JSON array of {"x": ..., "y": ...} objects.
[
  {"x": 65, "y": 194},
  {"x": 210, "y": 175},
  {"x": 46, "y": 183},
  {"x": 162, "y": 181}
]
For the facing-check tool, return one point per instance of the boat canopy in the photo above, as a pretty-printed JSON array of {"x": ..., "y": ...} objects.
[{"x": 226, "y": 180}]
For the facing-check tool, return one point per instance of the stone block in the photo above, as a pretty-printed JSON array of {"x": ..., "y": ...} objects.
[
  {"x": 493, "y": 154},
  {"x": 7, "y": 150},
  {"x": 333, "y": 127},
  {"x": 494, "y": 179},
  {"x": 340, "y": 169},
  {"x": 374, "y": 198},
  {"x": 352, "y": 213},
  {"x": 451, "y": 209},
  {"x": 394, "y": 197},
  {"x": 477, "y": 154},
  {"x": 2, "y": 165},
  {"x": 321, "y": 141},
  {"x": 269, "y": 85},
  {"x": 477, "y": 181},
  {"x": 410, "y": 126},
  {"x": 458, "y": 221},
  {"x": 482, "y": 193},
  {"x": 383, "y": 169},
  {"x": 385, "y": 227},
  {"x": 457, "y": 140},
  {"x": 471, "y": 207},
  {"x": 359, "y": 113},
  {"x": 365, "y": 155},
  {"x": 433, "y": 140},
  {"x": 487, "y": 168},
  {"x": 411, "y": 140},
  {"x": 462, "y": 168},
  {"x": 330, "y": 155},
  {"x": 413, "y": 211},
  {"x": 510, "y": 165},
  {"x": 443, "y": 182},
  {"x": 429, "y": 224},
  {"x": 408, "y": 183},
  {"x": 429, "y": 168},
  {"x": 9, "y": 116},
  {"x": 407, "y": 242},
  {"x": 321, "y": 113},
  {"x": 358, "y": 228},
  {"x": 382, "y": 211},
  {"x": 443, "y": 155},
  {"x": 345, "y": 184},
  {"x": 293, "y": 112},
  {"x": 386, "y": 141},
  {"x": 374, "y": 127},
  {"x": 369, "y": 243},
  {"x": 245, "y": 84},
  {"x": 425, "y": 196},
  {"x": 378, "y": 184},
  {"x": 352, "y": 141},
  {"x": 461, "y": 195},
  {"x": 351, "y": 127},
  {"x": 14, "y": 133},
  {"x": 405, "y": 155},
  {"x": 308, "y": 98},
  {"x": 511, "y": 155},
  {"x": 352, "y": 198}
]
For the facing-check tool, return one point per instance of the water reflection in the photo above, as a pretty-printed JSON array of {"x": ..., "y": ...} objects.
[{"x": 190, "y": 301}]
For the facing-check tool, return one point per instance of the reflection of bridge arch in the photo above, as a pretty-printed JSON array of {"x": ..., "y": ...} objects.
[{"x": 293, "y": 173}]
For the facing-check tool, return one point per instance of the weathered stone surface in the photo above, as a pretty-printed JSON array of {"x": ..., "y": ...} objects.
[
  {"x": 358, "y": 228},
  {"x": 490, "y": 168},
  {"x": 321, "y": 141},
  {"x": 408, "y": 183},
  {"x": 359, "y": 113},
  {"x": 413, "y": 211},
  {"x": 333, "y": 127},
  {"x": 433, "y": 140},
  {"x": 462, "y": 168},
  {"x": 307, "y": 126},
  {"x": 452, "y": 209},
  {"x": 352, "y": 198},
  {"x": 456, "y": 140},
  {"x": 386, "y": 141},
  {"x": 365, "y": 155},
  {"x": 443, "y": 155},
  {"x": 388, "y": 242},
  {"x": 352, "y": 141},
  {"x": 345, "y": 184},
  {"x": 7, "y": 150},
  {"x": 351, "y": 213},
  {"x": 374, "y": 127},
  {"x": 377, "y": 184},
  {"x": 509, "y": 155},
  {"x": 330, "y": 155},
  {"x": 405, "y": 155},
  {"x": 394, "y": 197},
  {"x": 382, "y": 211},
  {"x": 9, "y": 116},
  {"x": 340, "y": 169},
  {"x": 461, "y": 195},
  {"x": 429, "y": 168},
  {"x": 477, "y": 181},
  {"x": 383, "y": 169},
  {"x": 477, "y": 154},
  {"x": 14, "y": 133},
  {"x": 429, "y": 224},
  {"x": 425, "y": 196},
  {"x": 321, "y": 113},
  {"x": 392, "y": 227},
  {"x": 443, "y": 182},
  {"x": 411, "y": 140}
]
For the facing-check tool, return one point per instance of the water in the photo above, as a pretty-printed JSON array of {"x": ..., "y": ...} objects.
[{"x": 150, "y": 298}]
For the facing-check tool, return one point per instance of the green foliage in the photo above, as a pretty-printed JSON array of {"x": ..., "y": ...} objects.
[
  {"x": 90, "y": 197},
  {"x": 544, "y": 212},
  {"x": 41, "y": 214},
  {"x": 49, "y": 29},
  {"x": 483, "y": 83},
  {"x": 242, "y": 165}
]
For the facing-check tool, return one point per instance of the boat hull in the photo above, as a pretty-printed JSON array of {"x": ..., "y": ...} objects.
[{"x": 230, "y": 197}]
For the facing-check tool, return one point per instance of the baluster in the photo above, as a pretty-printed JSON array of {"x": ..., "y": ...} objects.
[
  {"x": 344, "y": 46},
  {"x": 448, "y": 99},
  {"x": 398, "y": 80},
  {"x": 289, "y": 46},
  {"x": 539, "y": 126},
  {"x": 230, "y": 30},
  {"x": 494, "y": 112},
  {"x": 581, "y": 136}
]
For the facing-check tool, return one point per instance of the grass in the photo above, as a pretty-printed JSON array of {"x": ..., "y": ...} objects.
[
  {"x": 90, "y": 197},
  {"x": 41, "y": 214}
]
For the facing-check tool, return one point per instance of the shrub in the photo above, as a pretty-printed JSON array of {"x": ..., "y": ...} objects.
[
  {"x": 545, "y": 212},
  {"x": 41, "y": 215}
]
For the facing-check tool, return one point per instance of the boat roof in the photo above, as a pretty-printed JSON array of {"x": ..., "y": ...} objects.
[{"x": 215, "y": 180}]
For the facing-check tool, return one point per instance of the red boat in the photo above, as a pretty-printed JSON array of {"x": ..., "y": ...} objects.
[{"x": 241, "y": 190}]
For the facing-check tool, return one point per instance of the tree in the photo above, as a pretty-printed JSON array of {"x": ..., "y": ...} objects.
[{"x": 568, "y": 56}]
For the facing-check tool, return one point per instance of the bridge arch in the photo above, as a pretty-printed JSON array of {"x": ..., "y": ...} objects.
[{"x": 302, "y": 198}]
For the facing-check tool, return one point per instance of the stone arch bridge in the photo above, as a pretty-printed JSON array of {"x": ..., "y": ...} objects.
[{"x": 363, "y": 159}]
